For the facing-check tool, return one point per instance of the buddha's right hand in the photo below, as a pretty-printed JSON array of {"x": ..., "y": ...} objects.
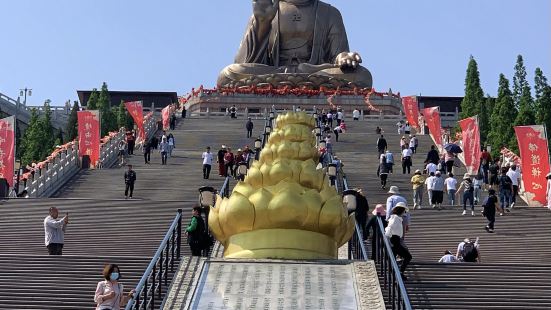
[{"x": 265, "y": 10}]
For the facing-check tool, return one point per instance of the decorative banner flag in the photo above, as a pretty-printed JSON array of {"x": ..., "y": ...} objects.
[
  {"x": 89, "y": 135},
  {"x": 471, "y": 144},
  {"x": 7, "y": 148},
  {"x": 432, "y": 118},
  {"x": 412, "y": 110},
  {"x": 534, "y": 154},
  {"x": 166, "y": 117},
  {"x": 135, "y": 109}
]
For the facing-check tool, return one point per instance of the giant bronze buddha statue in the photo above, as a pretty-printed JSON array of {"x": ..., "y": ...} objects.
[{"x": 297, "y": 43}]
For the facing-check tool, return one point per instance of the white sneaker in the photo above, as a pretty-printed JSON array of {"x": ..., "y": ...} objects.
[
  {"x": 464, "y": 212},
  {"x": 472, "y": 213},
  {"x": 419, "y": 207},
  {"x": 501, "y": 214},
  {"x": 512, "y": 205}
]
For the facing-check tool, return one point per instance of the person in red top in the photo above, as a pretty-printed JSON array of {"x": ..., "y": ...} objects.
[
  {"x": 485, "y": 160},
  {"x": 131, "y": 141},
  {"x": 229, "y": 160}
]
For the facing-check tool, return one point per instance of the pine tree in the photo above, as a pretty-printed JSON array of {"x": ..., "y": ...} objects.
[
  {"x": 519, "y": 81},
  {"x": 121, "y": 115},
  {"x": 72, "y": 124},
  {"x": 58, "y": 137},
  {"x": 544, "y": 116},
  {"x": 92, "y": 103},
  {"x": 484, "y": 118},
  {"x": 540, "y": 83},
  {"x": 474, "y": 96},
  {"x": 525, "y": 114},
  {"x": 501, "y": 130},
  {"x": 31, "y": 143},
  {"x": 46, "y": 131}
]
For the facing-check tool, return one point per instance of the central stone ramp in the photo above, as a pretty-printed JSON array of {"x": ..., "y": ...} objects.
[{"x": 274, "y": 284}]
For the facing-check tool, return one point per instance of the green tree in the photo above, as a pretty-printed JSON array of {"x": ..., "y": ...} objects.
[
  {"x": 544, "y": 115},
  {"x": 526, "y": 114},
  {"x": 540, "y": 83},
  {"x": 474, "y": 96},
  {"x": 484, "y": 118},
  {"x": 121, "y": 115},
  {"x": 58, "y": 137},
  {"x": 92, "y": 103},
  {"x": 31, "y": 144},
  {"x": 519, "y": 81},
  {"x": 108, "y": 117},
  {"x": 503, "y": 115},
  {"x": 46, "y": 132},
  {"x": 72, "y": 124}
]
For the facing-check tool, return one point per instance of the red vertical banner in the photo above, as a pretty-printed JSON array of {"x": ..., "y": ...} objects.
[
  {"x": 471, "y": 143},
  {"x": 135, "y": 109},
  {"x": 534, "y": 155},
  {"x": 432, "y": 118},
  {"x": 165, "y": 113},
  {"x": 412, "y": 110},
  {"x": 7, "y": 148},
  {"x": 89, "y": 135}
]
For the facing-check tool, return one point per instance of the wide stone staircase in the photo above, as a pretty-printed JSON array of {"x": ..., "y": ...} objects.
[
  {"x": 104, "y": 227},
  {"x": 515, "y": 272}
]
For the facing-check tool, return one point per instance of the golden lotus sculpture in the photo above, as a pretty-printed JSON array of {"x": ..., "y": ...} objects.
[{"x": 285, "y": 208}]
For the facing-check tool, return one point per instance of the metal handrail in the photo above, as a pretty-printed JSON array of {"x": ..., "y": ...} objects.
[
  {"x": 355, "y": 244},
  {"x": 393, "y": 282},
  {"x": 157, "y": 270},
  {"x": 385, "y": 260}
]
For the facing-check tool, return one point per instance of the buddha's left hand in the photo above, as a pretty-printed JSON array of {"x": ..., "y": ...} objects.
[{"x": 347, "y": 60}]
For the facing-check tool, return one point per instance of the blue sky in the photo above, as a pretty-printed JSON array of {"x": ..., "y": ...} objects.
[{"x": 57, "y": 47}]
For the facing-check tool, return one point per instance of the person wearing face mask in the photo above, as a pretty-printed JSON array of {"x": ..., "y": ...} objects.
[{"x": 109, "y": 292}]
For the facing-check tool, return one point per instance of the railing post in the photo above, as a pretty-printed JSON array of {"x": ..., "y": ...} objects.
[
  {"x": 153, "y": 287},
  {"x": 179, "y": 231}
]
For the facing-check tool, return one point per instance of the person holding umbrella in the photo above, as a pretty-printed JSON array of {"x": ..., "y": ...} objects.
[{"x": 451, "y": 150}]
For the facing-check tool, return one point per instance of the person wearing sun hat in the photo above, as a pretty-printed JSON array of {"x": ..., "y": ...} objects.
[
  {"x": 548, "y": 177},
  {"x": 395, "y": 232},
  {"x": 393, "y": 201},
  {"x": 468, "y": 193},
  {"x": 378, "y": 212}
]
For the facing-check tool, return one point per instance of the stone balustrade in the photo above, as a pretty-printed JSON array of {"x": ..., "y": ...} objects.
[{"x": 49, "y": 176}]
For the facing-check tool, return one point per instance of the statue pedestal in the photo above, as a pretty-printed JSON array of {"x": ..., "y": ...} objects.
[
  {"x": 275, "y": 284},
  {"x": 259, "y": 105}
]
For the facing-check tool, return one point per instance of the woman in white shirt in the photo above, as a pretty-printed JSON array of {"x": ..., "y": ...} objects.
[
  {"x": 110, "y": 293},
  {"x": 451, "y": 188},
  {"x": 395, "y": 231}
]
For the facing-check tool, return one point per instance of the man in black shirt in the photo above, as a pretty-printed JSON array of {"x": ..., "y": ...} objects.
[
  {"x": 432, "y": 156},
  {"x": 381, "y": 145},
  {"x": 490, "y": 206},
  {"x": 129, "y": 180},
  {"x": 249, "y": 127}
]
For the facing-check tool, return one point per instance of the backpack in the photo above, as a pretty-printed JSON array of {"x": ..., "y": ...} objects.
[{"x": 469, "y": 253}]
